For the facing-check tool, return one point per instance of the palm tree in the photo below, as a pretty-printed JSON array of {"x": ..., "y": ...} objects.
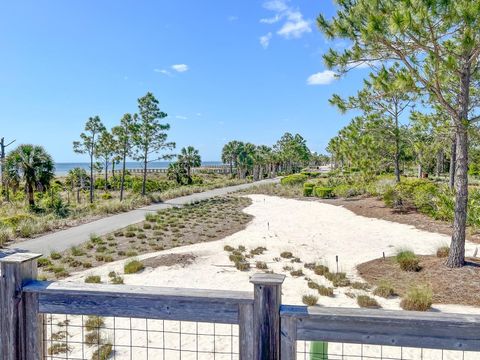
[
  {"x": 230, "y": 152},
  {"x": 188, "y": 158},
  {"x": 33, "y": 165},
  {"x": 176, "y": 172}
]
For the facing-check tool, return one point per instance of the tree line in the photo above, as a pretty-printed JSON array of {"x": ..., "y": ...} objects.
[
  {"x": 289, "y": 154},
  {"x": 420, "y": 52}
]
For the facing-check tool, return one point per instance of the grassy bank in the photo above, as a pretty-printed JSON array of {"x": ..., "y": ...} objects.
[
  {"x": 64, "y": 207},
  {"x": 207, "y": 220}
]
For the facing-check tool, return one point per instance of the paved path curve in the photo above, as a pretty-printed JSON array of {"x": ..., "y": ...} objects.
[{"x": 64, "y": 239}]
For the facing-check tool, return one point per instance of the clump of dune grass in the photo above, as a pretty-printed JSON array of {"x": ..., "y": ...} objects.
[
  {"x": 296, "y": 273},
  {"x": 93, "y": 279},
  {"x": 261, "y": 265},
  {"x": 384, "y": 289},
  {"x": 310, "y": 300},
  {"x": 133, "y": 267},
  {"x": 417, "y": 298},
  {"x": 286, "y": 255},
  {"x": 407, "y": 260},
  {"x": 325, "y": 291},
  {"x": 443, "y": 251},
  {"x": 321, "y": 270},
  {"x": 94, "y": 323},
  {"x": 358, "y": 285},
  {"x": 366, "y": 301},
  {"x": 338, "y": 279}
]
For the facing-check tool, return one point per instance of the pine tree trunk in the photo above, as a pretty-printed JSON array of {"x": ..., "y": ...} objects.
[
  {"x": 144, "y": 182},
  {"x": 91, "y": 179},
  {"x": 122, "y": 182},
  {"x": 452, "y": 164},
  {"x": 456, "y": 257},
  {"x": 106, "y": 176},
  {"x": 397, "y": 147}
]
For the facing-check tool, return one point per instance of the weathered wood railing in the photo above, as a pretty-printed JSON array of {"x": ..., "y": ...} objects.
[{"x": 267, "y": 330}]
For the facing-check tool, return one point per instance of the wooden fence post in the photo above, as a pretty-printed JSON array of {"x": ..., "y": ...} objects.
[
  {"x": 19, "y": 326},
  {"x": 266, "y": 315}
]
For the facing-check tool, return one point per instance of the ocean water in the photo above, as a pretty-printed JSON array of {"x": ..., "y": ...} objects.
[{"x": 61, "y": 169}]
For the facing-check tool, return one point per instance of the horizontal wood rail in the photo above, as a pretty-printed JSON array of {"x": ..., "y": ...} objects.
[
  {"x": 139, "y": 301},
  {"x": 380, "y": 327},
  {"x": 267, "y": 329}
]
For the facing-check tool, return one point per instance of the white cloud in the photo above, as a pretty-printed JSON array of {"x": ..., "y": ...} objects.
[
  {"x": 265, "y": 40},
  {"x": 180, "y": 67},
  {"x": 294, "y": 25},
  {"x": 181, "y": 117},
  {"x": 163, "y": 71},
  {"x": 322, "y": 78},
  {"x": 271, "y": 20},
  {"x": 198, "y": 114},
  {"x": 232, "y": 18}
]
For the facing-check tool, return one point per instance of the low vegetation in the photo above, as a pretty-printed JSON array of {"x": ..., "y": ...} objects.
[
  {"x": 384, "y": 289},
  {"x": 310, "y": 300},
  {"x": 203, "y": 221},
  {"x": 366, "y": 301},
  {"x": 417, "y": 298},
  {"x": 133, "y": 267},
  {"x": 407, "y": 260}
]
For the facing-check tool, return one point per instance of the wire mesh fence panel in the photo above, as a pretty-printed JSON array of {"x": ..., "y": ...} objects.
[
  {"x": 318, "y": 350},
  {"x": 99, "y": 338}
]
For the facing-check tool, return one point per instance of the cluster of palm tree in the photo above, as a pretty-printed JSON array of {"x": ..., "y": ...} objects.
[
  {"x": 181, "y": 170},
  {"x": 31, "y": 166},
  {"x": 289, "y": 154}
]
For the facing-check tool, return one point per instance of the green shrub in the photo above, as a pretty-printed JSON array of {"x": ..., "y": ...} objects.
[
  {"x": 308, "y": 189},
  {"x": 408, "y": 261},
  {"x": 242, "y": 265},
  {"x": 258, "y": 250},
  {"x": 418, "y": 298},
  {"x": 384, "y": 289},
  {"x": 106, "y": 196},
  {"x": 6, "y": 234},
  {"x": 75, "y": 251},
  {"x": 338, "y": 279},
  {"x": 347, "y": 190},
  {"x": 323, "y": 192},
  {"x": 313, "y": 285},
  {"x": 93, "y": 279},
  {"x": 310, "y": 300},
  {"x": 55, "y": 255},
  {"x": 42, "y": 262},
  {"x": 366, "y": 301},
  {"x": 133, "y": 267},
  {"x": 294, "y": 179}
]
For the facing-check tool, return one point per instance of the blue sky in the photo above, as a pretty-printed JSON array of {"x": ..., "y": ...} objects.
[{"x": 221, "y": 69}]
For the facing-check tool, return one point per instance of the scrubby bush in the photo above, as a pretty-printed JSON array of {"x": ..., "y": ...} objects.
[
  {"x": 384, "y": 289},
  {"x": 338, "y": 279},
  {"x": 258, "y": 250},
  {"x": 310, "y": 300},
  {"x": 323, "y": 192},
  {"x": 133, "y": 267},
  {"x": 417, "y": 298},
  {"x": 407, "y": 260},
  {"x": 348, "y": 190},
  {"x": 308, "y": 189},
  {"x": 358, "y": 285},
  {"x": 294, "y": 179},
  {"x": 93, "y": 279},
  {"x": 55, "y": 255},
  {"x": 296, "y": 273},
  {"x": 366, "y": 301},
  {"x": 94, "y": 323},
  {"x": 228, "y": 248}
]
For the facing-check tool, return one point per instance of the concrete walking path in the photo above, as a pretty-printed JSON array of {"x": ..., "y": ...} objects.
[{"x": 74, "y": 236}]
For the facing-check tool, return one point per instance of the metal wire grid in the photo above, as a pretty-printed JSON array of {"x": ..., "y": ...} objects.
[
  {"x": 84, "y": 337},
  {"x": 343, "y": 351}
]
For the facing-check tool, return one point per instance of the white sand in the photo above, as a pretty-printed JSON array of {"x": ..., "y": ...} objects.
[{"x": 312, "y": 231}]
